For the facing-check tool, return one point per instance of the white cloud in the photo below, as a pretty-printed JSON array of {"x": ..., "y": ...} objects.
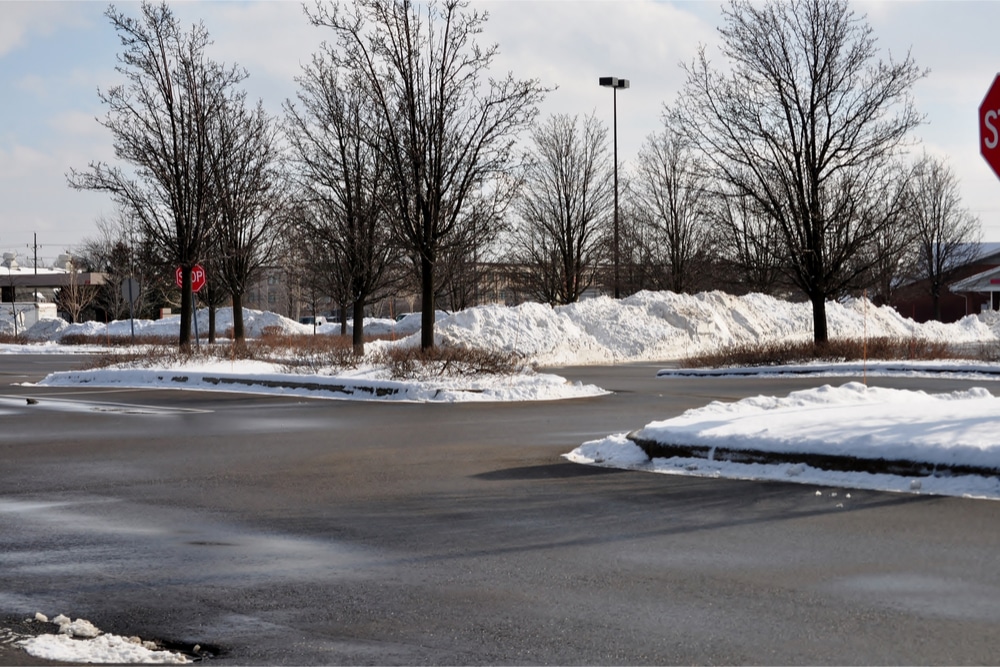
[
  {"x": 37, "y": 199},
  {"x": 573, "y": 44},
  {"x": 20, "y": 20},
  {"x": 70, "y": 49},
  {"x": 271, "y": 40},
  {"x": 82, "y": 127}
]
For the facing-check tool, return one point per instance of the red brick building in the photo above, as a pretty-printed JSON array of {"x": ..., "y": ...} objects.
[{"x": 969, "y": 291}]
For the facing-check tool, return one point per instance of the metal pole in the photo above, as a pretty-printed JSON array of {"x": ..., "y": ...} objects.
[
  {"x": 131, "y": 309},
  {"x": 194, "y": 314},
  {"x": 615, "y": 123},
  {"x": 615, "y": 83},
  {"x": 35, "y": 246}
]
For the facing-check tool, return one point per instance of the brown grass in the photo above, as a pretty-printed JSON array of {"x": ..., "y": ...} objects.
[
  {"x": 304, "y": 354},
  {"x": 773, "y": 354},
  {"x": 115, "y": 341},
  {"x": 413, "y": 363}
]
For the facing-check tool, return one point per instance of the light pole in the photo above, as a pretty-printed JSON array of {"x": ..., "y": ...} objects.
[{"x": 615, "y": 83}]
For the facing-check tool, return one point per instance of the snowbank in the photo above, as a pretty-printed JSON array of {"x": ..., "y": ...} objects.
[
  {"x": 647, "y": 326},
  {"x": 950, "y": 440}
]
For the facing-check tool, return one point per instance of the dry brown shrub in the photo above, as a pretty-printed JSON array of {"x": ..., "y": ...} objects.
[
  {"x": 136, "y": 357},
  {"x": 294, "y": 353},
  {"x": 841, "y": 349},
  {"x": 115, "y": 341},
  {"x": 413, "y": 363}
]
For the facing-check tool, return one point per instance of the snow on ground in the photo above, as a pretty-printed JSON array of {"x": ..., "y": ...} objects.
[
  {"x": 853, "y": 421},
  {"x": 647, "y": 326},
  {"x": 367, "y": 384}
]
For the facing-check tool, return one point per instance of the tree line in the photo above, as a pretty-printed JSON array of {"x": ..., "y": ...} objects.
[{"x": 404, "y": 162}]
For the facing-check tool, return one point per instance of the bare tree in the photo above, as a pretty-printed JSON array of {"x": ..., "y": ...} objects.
[
  {"x": 249, "y": 200},
  {"x": 947, "y": 234},
  {"x": 805, "y": 123},
  {"x": 672, "y": 193},
  {"x": 110, "y": 252},
  {"x": 641, "y": 254},
  {"x": 76, "y": 296},
  {"x": 449, "y": 129},
  {"x": 346, "y": 183},
  {"x": 462, "y": 260},
  {"x": 749, "y": 241},
  {"x": 887, "y": 257},
  {"x": 316, "y": 274},
  {"x": 564, "y": 207},
  {"x": 161, "y": 124}
]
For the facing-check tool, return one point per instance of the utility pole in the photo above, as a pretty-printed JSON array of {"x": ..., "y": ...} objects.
[{"x": 34, "y": 247}]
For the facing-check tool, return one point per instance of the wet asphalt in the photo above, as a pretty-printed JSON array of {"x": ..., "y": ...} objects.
[{"x": 289, "y": 531}]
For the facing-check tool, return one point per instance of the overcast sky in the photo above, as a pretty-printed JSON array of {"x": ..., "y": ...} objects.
[{"x": 55, "y": 55}]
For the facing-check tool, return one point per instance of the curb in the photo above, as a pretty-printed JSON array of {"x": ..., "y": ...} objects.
[
  {"x": 346, "y": 389},
  {"x": 900, "y": 467}
]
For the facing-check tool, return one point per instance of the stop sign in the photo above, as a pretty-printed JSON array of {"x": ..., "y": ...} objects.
[
  {"x": 989, "y": 126},
  {"x": 197, "y": 277}
]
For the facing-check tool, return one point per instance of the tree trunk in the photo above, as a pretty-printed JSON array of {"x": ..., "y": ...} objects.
[
  {"x": 211, "y": 323},
  {"x": 820, "y": 335},
  {"x": 186, "y": 294},
  {"x": 238, "y": 333},
  {"x": 936, "y": 301},
  {"x": 359, "y": 327},
  {"x": 427, "y": 297}
]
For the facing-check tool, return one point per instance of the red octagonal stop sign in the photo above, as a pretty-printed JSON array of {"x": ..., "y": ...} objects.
[
  {"x": 197, "y": 277},
  {"x": 989, "y": 126}
]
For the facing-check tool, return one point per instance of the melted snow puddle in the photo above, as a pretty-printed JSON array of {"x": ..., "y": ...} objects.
[{"x": 10, "y": 405}]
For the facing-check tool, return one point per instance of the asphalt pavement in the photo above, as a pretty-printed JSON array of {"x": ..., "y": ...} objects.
[{"x": 289, "y": 531}]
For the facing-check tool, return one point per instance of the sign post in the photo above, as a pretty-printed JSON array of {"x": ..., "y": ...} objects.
[
  {"x": 130, "y": 292},
  {"x": 198, "y": 280}
]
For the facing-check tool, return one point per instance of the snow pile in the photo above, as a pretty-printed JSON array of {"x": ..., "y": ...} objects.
[
  {"x": 81, "y": 641},
  {"x": 954, "y": 430},
  {"x": 850, "y": 420},
  {"x": 78, "y": 628},
  {"x": 659, "y": 326},
  {"x": 255, "y": 323},
  {"x": 536, "y": 331},
  {"x": 47, "y": 330},
  {"x": 647, "y": 326},
  {"x": 370, "y": 383}
]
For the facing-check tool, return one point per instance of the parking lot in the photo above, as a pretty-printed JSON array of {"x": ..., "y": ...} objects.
[{"x": 290, "y": 531}]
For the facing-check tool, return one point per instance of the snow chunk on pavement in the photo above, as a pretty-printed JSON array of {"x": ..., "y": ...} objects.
[
  {"x": 102, "y": 649},
  {"x": 77, "y": 628},
  {"x": 82, "y": 641},
  {"x": 614, "y": 450}
]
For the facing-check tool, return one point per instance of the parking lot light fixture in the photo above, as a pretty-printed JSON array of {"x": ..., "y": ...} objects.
[{"x": 615, "y": 83}]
